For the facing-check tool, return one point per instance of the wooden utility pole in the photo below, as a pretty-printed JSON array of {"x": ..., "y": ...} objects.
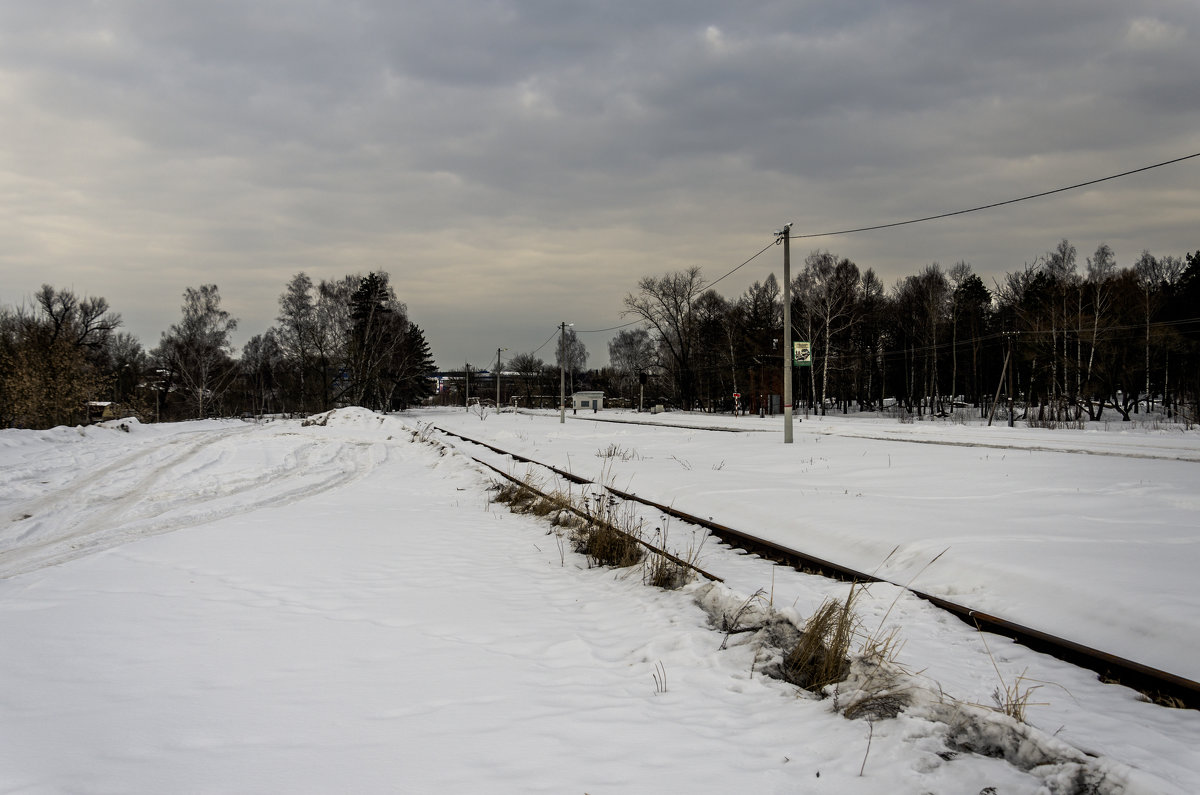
[
  {"x": 999, "y": 386},
  {"x": 1006, "y": 369}
]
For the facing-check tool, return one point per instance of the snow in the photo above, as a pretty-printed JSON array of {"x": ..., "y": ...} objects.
[
  {"x": 231, "y": 607},
  {"x": 1023, "y": 519}
]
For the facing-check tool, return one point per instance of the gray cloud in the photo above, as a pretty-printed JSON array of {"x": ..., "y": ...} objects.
[{"x": 513, "y": 164}]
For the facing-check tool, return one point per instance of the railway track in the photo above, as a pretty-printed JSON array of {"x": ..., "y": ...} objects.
[
  {"x": 974, "y": 443},
  {"x": 1160, "y": 686}
]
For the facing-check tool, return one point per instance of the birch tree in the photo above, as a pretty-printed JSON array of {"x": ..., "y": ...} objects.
[{"x": 198, "y": 351}]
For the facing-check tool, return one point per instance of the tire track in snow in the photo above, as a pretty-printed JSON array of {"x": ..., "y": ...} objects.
[
  {"x": 133, "y": 498},
  {"x": 32, "y": 515}
]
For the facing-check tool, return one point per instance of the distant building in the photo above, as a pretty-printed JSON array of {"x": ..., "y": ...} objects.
[
  {"x": 588, "y": 400},
  {"x": 98, "y": 410}
]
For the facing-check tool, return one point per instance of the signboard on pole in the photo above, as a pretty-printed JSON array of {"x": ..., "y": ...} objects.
[{"x": 802, "y": 354}]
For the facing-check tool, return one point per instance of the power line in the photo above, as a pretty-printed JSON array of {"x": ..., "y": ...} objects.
[
  {"x": 710, "y": 285},
  {"x": 612, "y": 328},
  {"x": 895, "y": 224},
  {"x": 995, "y": 204},
  {"x": 544, "y": 344}
]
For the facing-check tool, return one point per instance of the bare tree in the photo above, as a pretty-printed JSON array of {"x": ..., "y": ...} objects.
[
  {"x": 958, "y": 275},
  {"x": 298, "y": 336},
  {"x": 759, "y": 319},
  {"x": 870, "y": 336},
  {"x": 333, "y": 335},
  {"x": 665, "y": 304},
  {"x": 1154, "y": 276},
  {"x": 571, "y": 354},
  {"x": 197, "y": 350},
  {"x": 631, "y": 354},
  {"x": 52, "y": 358},
  {"x": 1101, "y": 267},
  {"x": 1059, "y": 267},
  {"x": 261, "y": 363},
  {"x": 919, "y": 303},
  {"x": 716, "y": 362},
  {"x": 528, "y": 368},
  {"x": 828, "y": 287}
]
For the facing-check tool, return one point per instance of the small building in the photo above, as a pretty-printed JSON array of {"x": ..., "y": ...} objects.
[
  {"x": 99, "y": 410},
  {"x": 588, "y": 400}
]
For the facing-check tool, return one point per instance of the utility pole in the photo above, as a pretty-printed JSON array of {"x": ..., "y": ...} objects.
[
  {"x": 999, "y": 386},
  {"x": 562, "y": 371},
  {"x": 1007, "y": 368},
  {"x": 784, "y": 236},
  {"x": 498, "y": 378},
  {"x": 467, "y": 385},
  {"x": 1012, "y": 366}
]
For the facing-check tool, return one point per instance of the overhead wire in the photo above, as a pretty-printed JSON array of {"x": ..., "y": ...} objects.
[
  {"x": 712, "y": 284},
  {"x": 994, "y": 204},
  {"x": 708, "y": 286},
  {"x": 612, "y": 328},
  {"x": 909, "y": 222},
  {"x": 544, "y": 344}
]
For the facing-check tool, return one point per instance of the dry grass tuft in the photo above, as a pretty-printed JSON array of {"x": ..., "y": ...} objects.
[
  {"x": 519, "y": 497},
  {"x": 505, "y": 492},
  {"x": 660, "y": 571},
  {"x": 878, "y": 706},
  {"x": 610, "y": 535},
  {"x": 821, "y": 655},
  {"x": 604, "y": 528},
  {"x": 621, "y": 454},
  {"x": 1013, "y": 699},
  {"x": 527, "y": 496},
  {"x": 883, "y": 646},
  {"x": 667, "y": 571},
  {"x": 606, "y": 545}
]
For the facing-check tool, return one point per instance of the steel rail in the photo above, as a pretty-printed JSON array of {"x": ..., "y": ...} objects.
[
  {"x": 1182, "y": 456},
  {"x": 1160, "y": 686},
  {"x": 580, "y": 513},
  {"x": 719, "y": 428}
]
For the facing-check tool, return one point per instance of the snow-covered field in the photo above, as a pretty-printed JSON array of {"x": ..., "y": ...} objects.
[
  {"x": 1092, "y": 536},
  {"x": 228, "y": 607}
]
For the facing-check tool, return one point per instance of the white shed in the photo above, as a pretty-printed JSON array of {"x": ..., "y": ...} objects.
[{"x": 588, "y": 400}]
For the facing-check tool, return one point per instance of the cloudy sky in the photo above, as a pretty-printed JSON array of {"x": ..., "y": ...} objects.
[{"x": 516, "y": 163}]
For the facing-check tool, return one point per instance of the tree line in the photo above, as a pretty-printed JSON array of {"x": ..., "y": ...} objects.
[
  {"x": 63, "y": 359},
  {"x": 1066, "y": 340},
  {"x": 1070, "y": 339}
]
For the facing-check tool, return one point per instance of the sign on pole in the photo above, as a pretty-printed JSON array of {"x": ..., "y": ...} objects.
[{"x": 802, "y": 354}]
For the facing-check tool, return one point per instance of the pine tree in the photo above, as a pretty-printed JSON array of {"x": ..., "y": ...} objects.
[
  {"x": 413, "y": 383},
  {"x": 377, "y": 321}
]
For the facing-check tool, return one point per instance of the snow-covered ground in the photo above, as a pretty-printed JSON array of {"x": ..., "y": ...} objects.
[
  {"x": 228, "y": 607},
  {"x": 1092, "y": 536}
]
